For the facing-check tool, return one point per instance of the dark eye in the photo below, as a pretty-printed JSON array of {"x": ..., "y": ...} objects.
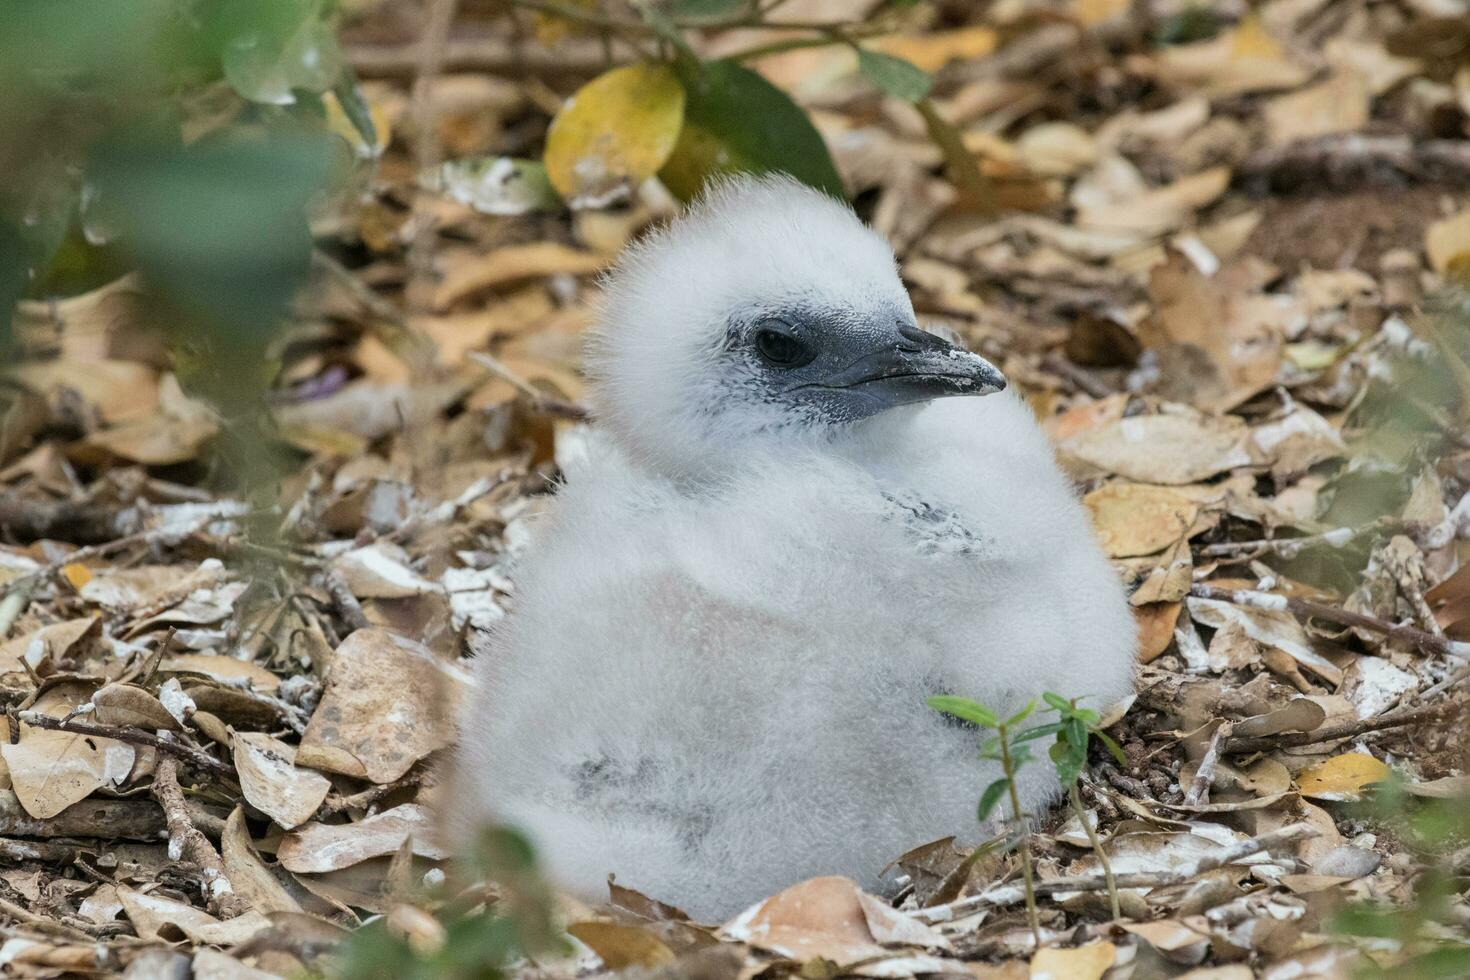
[{"x": 780, "y": 348}]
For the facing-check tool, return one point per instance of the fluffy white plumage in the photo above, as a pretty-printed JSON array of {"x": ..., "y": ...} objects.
[{"x": 714, "y": 681}]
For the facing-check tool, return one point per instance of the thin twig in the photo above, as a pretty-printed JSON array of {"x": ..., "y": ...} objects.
[
  {"x": 1389, "y": 719},
  {"x": 426, "y": 149},
  {"x": 1291, "y": 547},
  {"x": 185, "y": 840},
  {"x": 539, "y": 399},
  {"x": 1199, "y": 787},
  {"x": 347, "y": 605},
  {"x": 1421, "y": 640},
  {"x": 1010, "y": 894},
  {"x": 135, "y": 736}
]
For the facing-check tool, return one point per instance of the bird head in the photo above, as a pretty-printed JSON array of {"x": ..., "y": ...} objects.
[{"x": 768, "y": 311}]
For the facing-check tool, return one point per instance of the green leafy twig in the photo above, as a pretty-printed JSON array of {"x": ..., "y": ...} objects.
[
  {"x": 1069, "y": 755},
  {"x": 1005, "y": 748}
]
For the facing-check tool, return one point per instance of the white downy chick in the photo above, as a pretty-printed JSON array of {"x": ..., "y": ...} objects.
[{"x": 782, "y": 541}]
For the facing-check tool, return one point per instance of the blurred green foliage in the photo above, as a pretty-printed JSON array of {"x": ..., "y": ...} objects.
[
  {"x": 1424, "y": 939},
  {"x": 184, "y": 138},
  {"x": 477, "y": 942}
]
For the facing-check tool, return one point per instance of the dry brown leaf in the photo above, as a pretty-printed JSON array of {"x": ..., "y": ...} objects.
[
  {"x": 388, "y": 703},
  {"x": 1246, "y": 59},
  {"x": 1448, "y": 241},
  {"x": 1170, "y": 448},
  {"x": 248, "y": 875},
  {"x": 1342, "y": 777},
  {"x": 827, "y": 918},
  {"x": 1079, "y": 963},
  {"x": 1161, "y": 210},
  {"x": 271, "y": 781},
  {"x": 1138, "y": 519},
  {"x": 622, "y": 946},
  {"x": 1337, "y": 105},
  {"x": 211, "y": 964},
  {"x": 128, "y": 705},
  {"x": 43, "y": 648},
  {"x": 163, "y": 919},
  {"x": 175, "y": 433},
  {"x": 317, "y": 847},
  {"x": 1155, "y": 628},
  {"x": 1270, "y": 627},
  {"x": 227, "y": 670},
  {"x": 468, "y": 273},
  {"x": 51, "y": 770},
  {"x": 932, "y": 51}
]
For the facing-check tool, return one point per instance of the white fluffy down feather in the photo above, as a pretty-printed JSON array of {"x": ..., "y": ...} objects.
[{"x": 713, "y": 683}]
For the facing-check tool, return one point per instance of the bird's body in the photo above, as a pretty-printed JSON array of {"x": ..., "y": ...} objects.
[{"x": 714, "y": 682}]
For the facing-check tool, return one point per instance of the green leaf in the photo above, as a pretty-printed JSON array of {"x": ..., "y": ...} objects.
[
  {"x": 899, "y": 78},
  {"x": 737, "y": 122},
  {"x": 1112, "y": 746},
  {"x": 1021, "y": 715},
  {"x": 1057, "y": 701},
  {"x": 1068, "y": 759},
  {"x": 219, "y": 226},
  {"x": 268, "y": 69},
  {"x": 355, "y": 108},
  {"x": 697, "y": 10},
  {"x": 964, "y": 709},
  {"x": 992, "y": 795},
  {"x": 1040, "y": 731}
]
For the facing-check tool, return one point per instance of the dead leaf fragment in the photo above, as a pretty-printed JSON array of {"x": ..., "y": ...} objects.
[
  {"x": 163, "y": 919},
  {"x": 1080, "y": 963},
  {"x": 51, "y": 770},
  {"x": 317, "y": 847},
  {"x": 826, "y": 918},
  {"x": 388, "y": 703},
  {"x": 622, "y": 946},
  {"x": 1169, "y": 448},
  {"x": 272, "y": 782},
  {"x": 1138, "y": 519}
]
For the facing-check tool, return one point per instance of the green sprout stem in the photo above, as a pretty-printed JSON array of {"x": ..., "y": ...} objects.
[
  {"x": 1032, "y": 916},
  {"x": 1097, "y": 848}
]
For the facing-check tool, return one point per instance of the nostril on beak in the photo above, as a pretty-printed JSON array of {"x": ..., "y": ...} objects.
[{"x": 914, "y": 338}]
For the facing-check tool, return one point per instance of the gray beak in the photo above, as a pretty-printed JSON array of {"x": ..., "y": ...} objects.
[{"x": 917, "y": 367}]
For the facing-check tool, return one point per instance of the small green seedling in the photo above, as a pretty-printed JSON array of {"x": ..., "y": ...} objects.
[
  {"x": 1004, "y": 747},
  {"x": 1075, "y": 727}
]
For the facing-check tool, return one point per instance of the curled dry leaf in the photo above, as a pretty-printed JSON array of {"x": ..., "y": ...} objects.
[
  {"x": 388, "y": 703},
  {"x": 622, "y": 946},
  {"x": 163, "y": 919},
  {"x": 271, "y": 781},
  {"x": 129, "y": 705},
  {"x": 248, "y": 875},
  {"x": 829, "y": 918},
  {"x": 42, "y": 649}
]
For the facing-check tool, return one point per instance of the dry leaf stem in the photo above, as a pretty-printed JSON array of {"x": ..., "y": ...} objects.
[{"x": 1423, "y": 641}]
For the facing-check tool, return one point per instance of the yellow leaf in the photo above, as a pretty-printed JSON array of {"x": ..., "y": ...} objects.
[
  {"x": 1082, "y": 963},
  {"x": 1094, "y": 12},
  {"x": 1448, "y": 240},
  {"x": 614, "y": 133},
  {"x": 1252, "y": 40},
  {"x": 76, "y": 574},
  {"x": 622, "y": 946},
  {"x": 1342, "y": 777}
]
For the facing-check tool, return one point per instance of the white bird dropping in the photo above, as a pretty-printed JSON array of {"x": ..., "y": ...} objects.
[{"x": 784, "y": 538}]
